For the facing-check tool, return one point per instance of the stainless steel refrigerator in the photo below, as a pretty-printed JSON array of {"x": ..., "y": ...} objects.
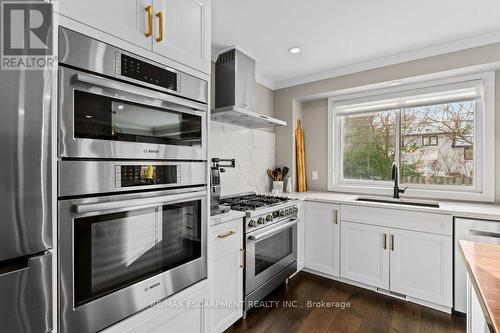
[{"x": 25, "y": 201}]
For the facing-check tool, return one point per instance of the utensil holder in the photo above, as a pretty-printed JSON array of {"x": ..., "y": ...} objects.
[{"x": 278, "y": 186}]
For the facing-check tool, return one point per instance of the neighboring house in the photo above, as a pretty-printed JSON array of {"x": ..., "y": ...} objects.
[{"x": 438, "y": 158}]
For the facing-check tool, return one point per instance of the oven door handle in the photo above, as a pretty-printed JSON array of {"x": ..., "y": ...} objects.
[
  {"x": 273, "y": 232},
  {"x": 117, "y": 85},
  {"x": 135, "y": 203}
]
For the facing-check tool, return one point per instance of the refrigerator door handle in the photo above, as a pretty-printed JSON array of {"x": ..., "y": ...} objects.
[{"x": 14, "y": 265}]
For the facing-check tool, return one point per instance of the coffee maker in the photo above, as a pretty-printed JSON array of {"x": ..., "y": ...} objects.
[{"x": 215, "y": 170}]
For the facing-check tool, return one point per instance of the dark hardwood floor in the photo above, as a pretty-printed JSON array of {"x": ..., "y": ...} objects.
[{"x": 368, "y": 311}]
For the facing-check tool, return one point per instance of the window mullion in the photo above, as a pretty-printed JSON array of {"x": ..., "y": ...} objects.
[{"x": 397, "y": 134}]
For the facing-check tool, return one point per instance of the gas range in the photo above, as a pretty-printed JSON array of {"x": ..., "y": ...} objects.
[
  {"x": 270, "y": 242},
  {"x": 262, "y": 210}
]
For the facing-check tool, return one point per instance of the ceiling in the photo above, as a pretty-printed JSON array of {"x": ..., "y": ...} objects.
[{"x": 336, "y": 34}]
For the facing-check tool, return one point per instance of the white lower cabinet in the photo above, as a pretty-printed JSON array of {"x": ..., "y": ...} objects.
[
  {"x": 322, "y": 238},
  {"x": 365, "y": 254},
  {"x": 476, "y": 320},
  {"x": 172, "y": 315},
  {"x": 226, "y": 274},
  {"x": 421, "y": 266},
  {"x": 415, "y": 264}
]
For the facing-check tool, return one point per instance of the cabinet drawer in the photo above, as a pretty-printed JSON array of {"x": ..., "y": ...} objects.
[
  {"x": 400, "y": 219},
  {"x": 225, "y": 234}
]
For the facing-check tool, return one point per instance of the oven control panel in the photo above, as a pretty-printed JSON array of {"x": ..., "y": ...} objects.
[
  {"x": 144, "y": 175},
  {"x": 143, "y": 71},
  {"x": 272, "y": 217}
]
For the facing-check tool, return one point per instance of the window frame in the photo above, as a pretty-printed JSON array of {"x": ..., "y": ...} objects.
[{"x": 484, "y": 131}]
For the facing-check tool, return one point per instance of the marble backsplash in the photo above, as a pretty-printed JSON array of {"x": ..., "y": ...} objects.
[{"x": 254, "y": 153}]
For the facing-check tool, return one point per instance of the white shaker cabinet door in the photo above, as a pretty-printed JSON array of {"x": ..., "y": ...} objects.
[
  {"x": 322, "y": 238},
  {"x": 125, "y": 19},
  {"x": 226, "y": 274},
  {"x": 421, "y": 266},
  {"x": 365, "y": 254},
  {"x": 182, "y": 32}
]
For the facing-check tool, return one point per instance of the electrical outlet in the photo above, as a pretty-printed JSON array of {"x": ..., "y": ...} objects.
[{"x": 315, "y": 175}]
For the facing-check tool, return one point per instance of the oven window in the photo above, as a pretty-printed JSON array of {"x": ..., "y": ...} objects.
[
  {"x": 114, "y": 251},
  {"x": 106, "y": 118},
  {"x": 272, "y": 249}
]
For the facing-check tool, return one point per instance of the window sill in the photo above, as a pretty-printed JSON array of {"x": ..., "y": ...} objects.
[{"x": 427, "y": 194}]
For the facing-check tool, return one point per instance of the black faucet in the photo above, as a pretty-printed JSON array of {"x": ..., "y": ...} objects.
[{"x": 397, "y": 190}]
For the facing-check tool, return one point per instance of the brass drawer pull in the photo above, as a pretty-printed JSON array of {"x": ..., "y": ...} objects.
[
  {"x": 149, "y": 9},
  {"x": 230, "y": 233},
  {"x": 242, "y": 258},
  {"x": 385, "y": 241},
  {"x": 337, "y": 216},
  {"x": 392, "y": 242}
]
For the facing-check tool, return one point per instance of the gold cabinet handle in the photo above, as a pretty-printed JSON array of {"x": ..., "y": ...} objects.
[
  {"x": 337, "y": 216},
  {"x": 385, "y": 241},
  {"x": 230, "y": 233},
  {"x": 149, "y": 9},
  {"x": 159, "y": 15},
  {"x": 392, "y": 242},
  {"x": 242, "y": 258}
]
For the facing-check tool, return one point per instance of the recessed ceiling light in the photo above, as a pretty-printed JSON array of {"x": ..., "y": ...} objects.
[{"x": 294, "y": 50}]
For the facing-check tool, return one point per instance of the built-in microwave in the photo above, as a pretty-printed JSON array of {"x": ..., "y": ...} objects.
[{"x": 116, "y": 105}]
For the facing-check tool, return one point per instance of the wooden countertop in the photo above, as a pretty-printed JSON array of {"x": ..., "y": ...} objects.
[{"x": 483, "y": 263}]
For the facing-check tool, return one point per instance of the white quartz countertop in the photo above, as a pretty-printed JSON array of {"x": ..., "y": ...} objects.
[
  {"x": 226, "y": 217},
  {"x": 457, "y": 209}
]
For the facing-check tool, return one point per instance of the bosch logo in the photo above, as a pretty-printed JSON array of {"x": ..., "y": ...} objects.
[{"x": 151, "y": 151}]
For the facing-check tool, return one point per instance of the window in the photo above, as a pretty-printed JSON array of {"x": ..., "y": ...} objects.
[
  {"x": 429, "y": 140},
  {"x": 433, "y": 133}
]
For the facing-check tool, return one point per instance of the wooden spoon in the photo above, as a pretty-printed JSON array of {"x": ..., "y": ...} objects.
[
  {"x": 275, "y": 175},
  {"x": 270, "y": 174},
  {"x": 285, "y": 171}
]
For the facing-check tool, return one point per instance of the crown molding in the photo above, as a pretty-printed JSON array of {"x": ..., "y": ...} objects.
[
  {"x": 443, "y": 48},
  {"x": 265, "y": 81}
]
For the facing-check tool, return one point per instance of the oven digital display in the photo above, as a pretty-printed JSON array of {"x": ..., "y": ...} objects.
[
  {"x": 146, "y": 72},
  {"x": 141, "y": 175}
]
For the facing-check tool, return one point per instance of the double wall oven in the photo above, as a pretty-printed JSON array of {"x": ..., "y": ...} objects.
[{"x": 132, "y": 183}]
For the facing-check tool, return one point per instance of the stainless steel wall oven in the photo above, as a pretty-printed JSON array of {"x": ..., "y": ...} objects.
[
  {"x": 120, "y": 254},
  {"x": 132, "y": 183}
]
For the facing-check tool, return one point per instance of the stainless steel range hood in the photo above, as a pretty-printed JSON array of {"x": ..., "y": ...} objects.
[{"x": 235, "y": 92}]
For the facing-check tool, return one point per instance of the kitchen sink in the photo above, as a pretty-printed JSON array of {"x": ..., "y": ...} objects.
[{"x": 407, "y": 202}]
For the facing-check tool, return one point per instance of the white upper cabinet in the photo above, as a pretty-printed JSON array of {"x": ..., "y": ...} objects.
[
  {"x": 322, "y": 238},
  {"x": 421, "y": 266},
  {"x": 176, "y": 29},
  {"x": 365, "y": 254},
  {"x": 125, "y": 19},
  {"x": 186, "y": 31}
]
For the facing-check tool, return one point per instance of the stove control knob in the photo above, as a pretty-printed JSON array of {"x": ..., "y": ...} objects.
[
  {"x": 269, "y": 217},
  {"x": 261, "y": 220},
  {"x": 288, "y": 211},
  {"x": 295, "y": 210},
  {"x": 282, "y": 213},
  {"x": 252, "y": 224}
]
